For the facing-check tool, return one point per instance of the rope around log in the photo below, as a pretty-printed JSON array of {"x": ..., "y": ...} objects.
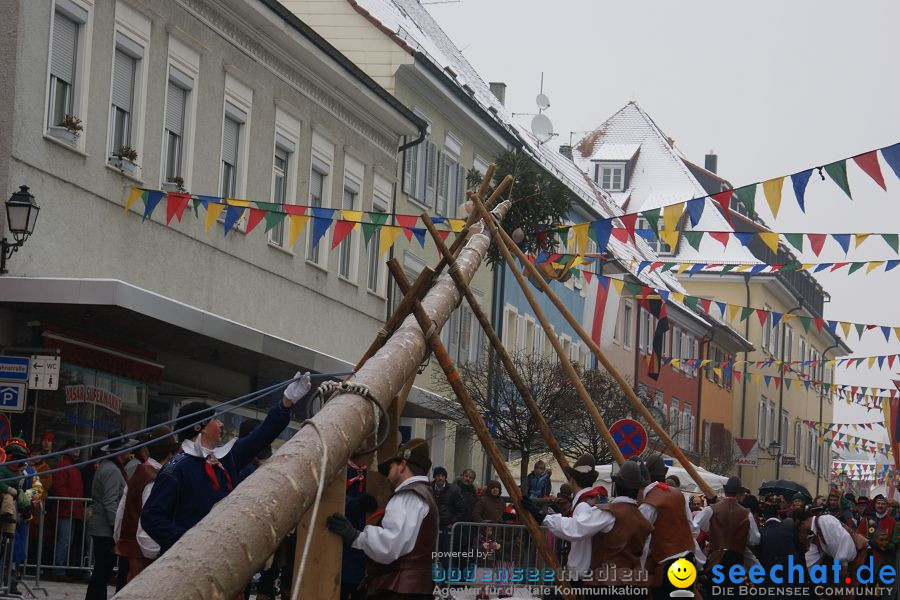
[{"x": 329, "y": 389}]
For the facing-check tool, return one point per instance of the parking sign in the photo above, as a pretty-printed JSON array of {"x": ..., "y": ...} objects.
[{"x": 12, "y": 396}]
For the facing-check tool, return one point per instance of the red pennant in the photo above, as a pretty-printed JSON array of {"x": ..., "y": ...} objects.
[
  {"x": 407, "y": 222},
  {"x": 587, "y": 276},
  {"x": 256, "y": 215},
  {"x": 745, "y": 444},
  {"x": 737, "y": 376},
  {"x": 654, "y": 266},
  {"x": 705, "y": 302},
  {"x": 721, "y": 236},
  {"x": 868, "y": 162},
  {"x": 620, "y": 234},
  {"x": 890, "y": 359},
  {"x": 445, "y": 233},
  {"x": 341, "y": 230},
  {"x": 724, "y": 200},
  {"x": 777, "y": 382},
  {"x": 816, "y": 241},
  {"x": 839, "y": 265},
  {"x": 762, "y": 315},
  {"x": 294, "y": 209},
  {"x": 820, "y": 323},
  {"x": 629, "y": 221},
  {"x": 175, "y": 205}
]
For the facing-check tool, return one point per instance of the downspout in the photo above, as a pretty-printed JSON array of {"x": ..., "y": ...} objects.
[
  {"x": 781, "y": 392},
  {"x": 744, "y": 382},
  {"x": 423, "y": 132},
  {"x": 821, "y": 400},
  {"x": 699, "y": 422}
]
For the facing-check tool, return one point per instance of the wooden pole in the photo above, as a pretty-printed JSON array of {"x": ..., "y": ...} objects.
[
  {"x": 506, "y": 242},
  {"x": 476, "y": 420},
  {"x": 488, "y": 218},
  {"x": 424, "y": 280},
  {"x": 498, "y": 346}
]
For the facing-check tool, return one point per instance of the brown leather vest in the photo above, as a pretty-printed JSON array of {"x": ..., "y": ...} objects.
[
  {"x": 671, "y": 531},
  {"x": 127, "y": 544},
  {"x": 621, "y": 547},
  {"x": 411, "y": 573},
  {"x": 728, "y": 529}
]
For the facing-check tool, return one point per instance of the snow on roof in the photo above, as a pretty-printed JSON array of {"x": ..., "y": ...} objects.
[{"x": 613, "y": 151}]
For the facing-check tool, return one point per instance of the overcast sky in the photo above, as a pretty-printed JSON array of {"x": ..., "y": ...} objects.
[{"x": 773, "y": 87}]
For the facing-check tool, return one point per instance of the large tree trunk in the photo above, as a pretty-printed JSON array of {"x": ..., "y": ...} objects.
[{"x": 216, "y": 558}]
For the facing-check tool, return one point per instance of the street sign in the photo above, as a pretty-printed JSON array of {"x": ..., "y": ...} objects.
[
  {"x": 44, "y": 372},
  {"x": 788, "y": 460},
  {"x": 630, "y": 436},
  {"x": 14, "y": 368},
  {"x": 747, "y": 452},
  {"x": 12, "y": 396}
]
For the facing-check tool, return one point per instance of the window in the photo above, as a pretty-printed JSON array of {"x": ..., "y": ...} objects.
[
  {"x": 788, "y": 344},
  {"x": 675, "y": 422},
  {"x": 354, "y": 172},
  {"x": 772, "y": 426},
  {"x": 761, "y": 423},
  {"x": 69, "y": 20},
  {"x": 798, "y": 441},
  {"x": 284, "y": 170},
  {"x": 177, "y": 90},
  {"x": 659, "y": 404},
  {"x": 652, "y": 239},
  {"x": 319, "y": 195},
  {"x": 705, "y": 441},
  {"x": 419, "y": 169},
  {"x": 450, "y": 184},
  {"x": 687, "y": 436},
  {"x": 626, "y": 325},
  {"x": 785, "y": 428},
  {"x": 279, "y": 190},
  {"x": 529, "y": 335},
  {"x": 646, "y": 336},
  {"x": 380, "y": 203},
  {"x": 610, "y": 177},
  {"x": 317, "y": 179},
  {"x": 231, "y": 138},
  {"x": 125, "y": 63},
  {"x": 510, "y": 324}
]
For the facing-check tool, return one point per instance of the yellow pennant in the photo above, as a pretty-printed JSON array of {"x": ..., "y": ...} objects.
[
  {"x": 717, "y": 371},
  {"x": 733, "y": 312},
  {"x": 236, "y": 202},
  {"x": 669, "y": 237},
  {"x": 874, "y": 265},
  {"x": 772, "y": 189},
  {"x": 704, "y": 362},
  {"x": 213, "y": 210},
  {"x": 770, "y": 240},
  {"x": 682, "y": 267},
  {"x": 671, "y": 214},
  {"x": 806, "y": 266},
  {"x": 298, "y": 222},
  {"x": 678, "y": 296},
  {"x": 872, "y": 361},
  {"x": 618, "y": 284},
  {"x": 133, "y": 197},
  {"x": 742, "y": 268},
  {"x": 897, "y": 332},
  {"x": 846, "y": 327},
  {"x": 353, "y": 215},
  {"x": 456, "y": 225},
  {"x": 860, "y": 238},
  {"x": 388, "y": 234},
  {"x": 676, "y": 362},
  {"x": 581, "y": 237}
]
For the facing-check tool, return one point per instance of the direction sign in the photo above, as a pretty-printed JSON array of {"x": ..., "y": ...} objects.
[
  {"x": 630, "y": 436},
  {"x": 44, "y": 372},
  {"x": 12, "y": 396},
  {"x": 14, "y": 368}
]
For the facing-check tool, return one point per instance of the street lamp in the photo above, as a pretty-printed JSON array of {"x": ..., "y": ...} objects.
[
  {"x": 21, "y": 214},
  {"x": 774, "y": 450}
]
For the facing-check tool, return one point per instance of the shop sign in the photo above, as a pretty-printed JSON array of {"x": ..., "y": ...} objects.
[
  {"x": 88, "y": 394},
  {"x": 14, "y": 368},
  {"x": 788, "y": 460},
  {"x": 747, "y": 452}
]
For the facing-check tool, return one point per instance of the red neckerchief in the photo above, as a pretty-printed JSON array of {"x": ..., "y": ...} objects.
[
  {"x": 663, "y": 486},
  {"x": 212, "y": 461},
  {"x": 359, "y": 478}
]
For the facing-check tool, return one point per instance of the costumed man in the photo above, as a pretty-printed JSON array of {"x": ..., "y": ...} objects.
[
  {"x": 398, "y": 550},
  {"x": 20, "y": 495},
  {"x": 880, "y": 518},
  {"x": 132, "y": 541},
  {"x": 823, "y": 538},
  {"x": 610, "y": 542},
  {"x": 731, "y": 528},
  {"x": 190, "y": 484},
  {"x": 358, "y": 504},
  {"x": 674, "y": 533},
  {"x": 777, "y": 544}
]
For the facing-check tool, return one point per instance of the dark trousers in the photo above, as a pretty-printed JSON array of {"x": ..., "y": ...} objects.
[{"x": 104, "y": 563}]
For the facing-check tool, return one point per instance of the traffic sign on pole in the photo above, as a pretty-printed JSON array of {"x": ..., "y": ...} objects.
[
  {"x": 630, "y": 436},
  {"x": 14, "y": 368},
  {"x": 12, "y": 396}
]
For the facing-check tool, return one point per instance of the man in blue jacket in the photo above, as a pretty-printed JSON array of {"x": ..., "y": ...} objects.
[{"x": 205, "y": 472}]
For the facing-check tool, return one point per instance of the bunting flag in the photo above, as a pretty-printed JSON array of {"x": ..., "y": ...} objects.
[
  {"x": 772, "y": 190},
  {"x": 799, "y": 181}
]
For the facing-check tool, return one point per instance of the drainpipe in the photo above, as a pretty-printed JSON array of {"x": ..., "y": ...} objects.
[
  {"x": 821, "y": 400},
  {"x": 744, "y": 382},
  {"x": 703, "y": 341},
  {"x": 781, "y": 392}
]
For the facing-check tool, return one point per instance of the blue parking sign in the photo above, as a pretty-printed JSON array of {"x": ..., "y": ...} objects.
[{"x": 12, "y": 396}]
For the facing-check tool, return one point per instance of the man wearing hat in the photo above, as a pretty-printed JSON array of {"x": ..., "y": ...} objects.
[
  {"x": 730, "y": 525},
  {"x": 191, "y": 483},
  {"x": 674, "y": 533},
  {"x": 880, "y": 518},
  {"x": 106, "y": 491},
  {"x": 132, "y": 542},
  {"x": 398, "y": 549}
]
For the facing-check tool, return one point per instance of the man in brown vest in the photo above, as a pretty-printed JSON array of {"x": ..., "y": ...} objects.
[
  {"x": 674, "y": 532},
  {"x": 398, "y": 550},
  {"x": 132, "y": 541},
  {"x": 731, "y": 528}
]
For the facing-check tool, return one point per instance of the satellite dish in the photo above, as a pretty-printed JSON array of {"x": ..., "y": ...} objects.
[
  {"x": 542, "y": 128},
  {"x": 543, "y": 102}
]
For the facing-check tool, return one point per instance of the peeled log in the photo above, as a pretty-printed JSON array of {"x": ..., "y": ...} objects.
[{"x": 216, "y": 558}]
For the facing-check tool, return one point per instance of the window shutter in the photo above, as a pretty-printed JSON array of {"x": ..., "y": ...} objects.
[
  {"x": 175, "y": 109},
  {"x": 230, "y": 141},
  {"x": 407, "y": 168},
  {"x": 123, "y": 81},
  {"x": 465, "y": 334},
  {"x": 65, "y": 38},
  {"x": 431, "y": 173},
  {"x": 460, "y": 190},
  {"x": 453, "y": 347}
]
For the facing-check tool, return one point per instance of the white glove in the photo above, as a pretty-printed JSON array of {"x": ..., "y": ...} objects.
[
  {"x": 298, "y": 388},
  {"x": 12, "y": 491}
]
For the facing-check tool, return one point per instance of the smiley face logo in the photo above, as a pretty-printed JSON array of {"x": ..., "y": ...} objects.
[{"x": 682, "y": 573}]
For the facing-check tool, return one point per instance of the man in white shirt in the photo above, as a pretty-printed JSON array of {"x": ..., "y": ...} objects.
[
  {"x": 398, "y": 550},
  {"x": 825, "y": 539}
]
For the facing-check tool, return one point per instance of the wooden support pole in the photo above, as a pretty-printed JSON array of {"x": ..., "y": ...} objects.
[
  {"x": 475, "y": 419},
  {"x": 506, "y": 242},
  {"x": 545, "y": 324},
  {"x": 542, "y": 424},
  {"x": 423, "y": 281}
]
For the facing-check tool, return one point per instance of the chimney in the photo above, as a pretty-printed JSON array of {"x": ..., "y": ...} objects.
[
  {"x": 498, "y": 88},
  {"x": 566, "y": 151},
  {"x": 711, "y": 162}
]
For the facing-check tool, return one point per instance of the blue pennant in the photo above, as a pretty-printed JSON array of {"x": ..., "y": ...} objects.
[
  {"x": 603, "y": 281},
  {"x": 439, "y": 220},
  {"x": 776, "y": 317},
  {"x": 232, "y": 216},
  {"x": 541, "y": 258},
  {"x": 664, "y": 294},
  {"x": 697, "y": 268},
  {"x": 757, "y": 268},
  {"x": 891, "y": 156},
  {"x": 887, "y": 335},
  {"x": 151, "y": 201},
  {"x": 643, "y": 265},
  {"x": 602, "y": 230},
  {"x": 647, "y": 234},
  {"x": 843, "y": 239},
  {"x": 800, "y": 180},
  {"x": 744, "y": 237},
  {"x": 321, "y": 222},
  {"x": 822, "y": 267},
  {"x": 695, "y": 210},
  {"x": 419, "y": 232},
  {"x": 721, "y": 306},
  {"x": 890, "y": 265}
]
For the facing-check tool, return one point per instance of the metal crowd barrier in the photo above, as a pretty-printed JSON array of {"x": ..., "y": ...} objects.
[
  {"x": 489, "y": 555},
  {"x": 62, "y": 545}
]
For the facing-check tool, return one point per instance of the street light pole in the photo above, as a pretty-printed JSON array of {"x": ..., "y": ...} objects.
[{"x": 781, "y": 390}]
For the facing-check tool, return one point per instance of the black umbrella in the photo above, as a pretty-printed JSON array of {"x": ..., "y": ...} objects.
[{"x": 783, "y": 487}]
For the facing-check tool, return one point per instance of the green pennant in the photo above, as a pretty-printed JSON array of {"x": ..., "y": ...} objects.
[
  {"x": 652, "y": 217},
  {"x": 692, "y": 301},
  {"x": 727, "y": 268},
  {"x": 693, "y": 238},
  {"x": 274, "y": 214},
  {"x": 795, "y": 240},
  {"x": 747, "y": 197},
  {"x": 838, "y": 173},
  {"x": 854, "y": 267},
  {"x": 891, "y": 239},
  {"x": 787, "y": 382},
  {"x": 667, "y": 267},
  {"x": 791, "y": 266},
  {"x": 197, "y": 202},
  {"x": 746, "y": 311},
  {"x": 633, "y": 289},
  {"x": 805, "y": 322},
  {"x": 576, "y": 273},
  {"x": 563, "y": 233},
  {"x": 860, "y": 328},
  {"x": 378, "y": 219}
]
